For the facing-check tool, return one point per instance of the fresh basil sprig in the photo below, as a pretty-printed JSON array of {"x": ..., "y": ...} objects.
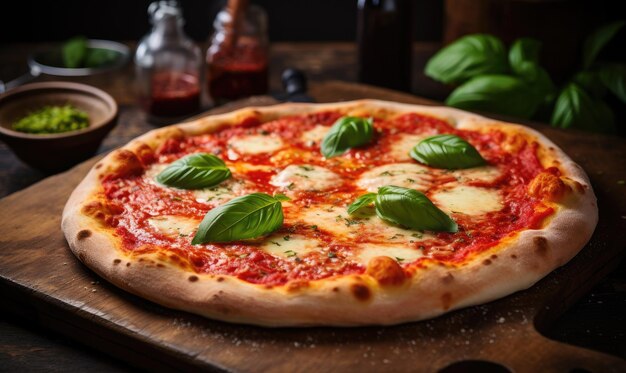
[
  {"x": 447, "y": 151},
  {"x": 406, "y": 207},
  {"x": 468, "y": 57},
  {"x": 195, "y": 171},
  {"x": 361, "y": 202},
  {"x": 347, "y": 133},
  {"x": 241, "y": 218},
  {"x": 518, "y": 86}
]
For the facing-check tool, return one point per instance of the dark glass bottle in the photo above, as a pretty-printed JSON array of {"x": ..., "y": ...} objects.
[{"x": 385, "y": 36}]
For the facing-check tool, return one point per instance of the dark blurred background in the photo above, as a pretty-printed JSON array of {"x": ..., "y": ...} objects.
[
  {"x": 560, "y": 24},
  {"x": 289, "y": 20}
]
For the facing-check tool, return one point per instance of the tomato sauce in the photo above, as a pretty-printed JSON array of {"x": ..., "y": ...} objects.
[{"x": 143, "y": 199}]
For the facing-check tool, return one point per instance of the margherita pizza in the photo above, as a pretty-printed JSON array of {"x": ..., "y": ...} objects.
[{"x": 356, "y": 213}]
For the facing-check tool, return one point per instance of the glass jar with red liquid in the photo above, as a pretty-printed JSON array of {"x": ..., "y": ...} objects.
[
  {"x": 237, "y": 58},
  {"x": 168, "y": 66}
]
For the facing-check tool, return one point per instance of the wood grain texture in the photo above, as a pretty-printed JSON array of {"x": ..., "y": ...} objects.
[{"x": 39, "y": 276}]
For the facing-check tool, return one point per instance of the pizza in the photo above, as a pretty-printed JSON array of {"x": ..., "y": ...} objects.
[{"x": 357, "y": 213}]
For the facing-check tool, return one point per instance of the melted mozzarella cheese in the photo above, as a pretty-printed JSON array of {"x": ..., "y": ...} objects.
[
  {"x": 400, "y": 253},
  {"x": 408, "y": 175},
  {"x": 350, "y": 227},
  {"x": 256, "y": 144},
  {"x": 305, "y": 178},
  {"x": 174, "y": 225},
  {"x": 314, "y": 135},
  {"x": 468, "y": 200},
  {"x": 290, "y": 246},
  {"x": 223, "y": 192},
  {"x": 402, "y": 146},
  {"x": 485, "y": 173}
]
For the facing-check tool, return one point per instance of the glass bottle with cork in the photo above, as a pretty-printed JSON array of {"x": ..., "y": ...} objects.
[
  {"x": 237, "y": 58},
  {"x": 168, "y": 66}
]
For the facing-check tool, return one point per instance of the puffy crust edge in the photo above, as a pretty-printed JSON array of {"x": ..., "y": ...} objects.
[{"x": 353, "y": 300}]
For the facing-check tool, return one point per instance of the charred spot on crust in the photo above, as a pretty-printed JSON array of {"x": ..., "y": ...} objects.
[
  {"x": 386, "y": 271},
  {"x": 220, "y": 279},
  {"x": 336, "y": 289},
  {"x": 160, "y": 265},
  {"x": 81, "y": 235},
  {"x": 486, "y": 262},
  {"x": 117, "y": 261},
  {"x": 361, "y": 292},
  {"x": 448, "y": 278},
  {"x": 446, "y": 301},
  {"x": 128, "y": 264},
  {"x": 268, "y": 287},
  {"x": 541, "y": 245},
  {"x": 98, "y": 165},
  {"x": 193, "y": 278},
  {"x": 513, "y": 256},
  {"x": 494, "y": 256}
]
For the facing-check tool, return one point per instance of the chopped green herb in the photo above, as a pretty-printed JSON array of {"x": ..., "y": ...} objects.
[
  {"x": 314, "y": 227},
  {"x": 399, "y": 259},
  {"x": 332, "y": 254},
  {"x": 306, "y": 168},
  {"x": 409, "y": 180},
  {"x": 418, "y": 235},
  {"x": 386, "y": 173},
  {"x": 286, "y": 238},
  {"x": 275, "y": 243},
  {"x": 291, "y": 186},
  {"x": 176, "y": 198},
  {"x": 52, "y": 119},
  {"x": 290, "y": 253}
]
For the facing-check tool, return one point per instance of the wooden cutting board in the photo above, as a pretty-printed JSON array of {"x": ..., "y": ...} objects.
[{"x": 41, "y": 279}]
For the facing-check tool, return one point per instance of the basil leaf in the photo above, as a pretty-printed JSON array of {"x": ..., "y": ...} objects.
[
  {"x": 524, "y": 60},
  {"x": 577, "y": 109},
  {"x": 410, "y": 208},
  {"x": 361, "y": 202},
  {"x": 346, "y": 133},
  {"x": 446, "y": 151},
  {"x": 598, "y": 40},
  {"x": 195, "y": 171},
  {"x": 241, "y": 218},
  {"x": 614, "y": 78},
  {"x": 74, "y": 51},
  {"x": 500, "y": 94},
  {"x": 590, "y": 81},
  {"x": 467, "y": 58}
]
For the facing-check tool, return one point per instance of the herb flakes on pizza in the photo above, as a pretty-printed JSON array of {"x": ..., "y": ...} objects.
[{"x": 357, "y": 213}]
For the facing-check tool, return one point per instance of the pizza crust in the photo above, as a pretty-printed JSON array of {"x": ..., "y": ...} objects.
[{"x": 381, "y": 296}]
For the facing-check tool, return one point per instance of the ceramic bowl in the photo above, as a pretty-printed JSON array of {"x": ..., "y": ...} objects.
[{"x": 56, "y": 152}]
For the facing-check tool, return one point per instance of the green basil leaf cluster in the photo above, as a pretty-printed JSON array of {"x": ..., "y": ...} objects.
[
  {"x": 576, "y": 108},
  {"x": 466, "y": 58},
  {"x": 501, "y": 94},
  {"x": 447, "y": 151},
  {"x": 195, "y": 171},
  {"x": 347, "y": 133},
  {"x": 406, "y": 207},
  {"x": 598, "y": 40},
  {"x": 241, "y": 218},
  {"x": 521, "y": 87}
]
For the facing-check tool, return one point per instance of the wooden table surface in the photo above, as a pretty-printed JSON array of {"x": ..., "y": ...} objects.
[{"x": 596, "y": 322}]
